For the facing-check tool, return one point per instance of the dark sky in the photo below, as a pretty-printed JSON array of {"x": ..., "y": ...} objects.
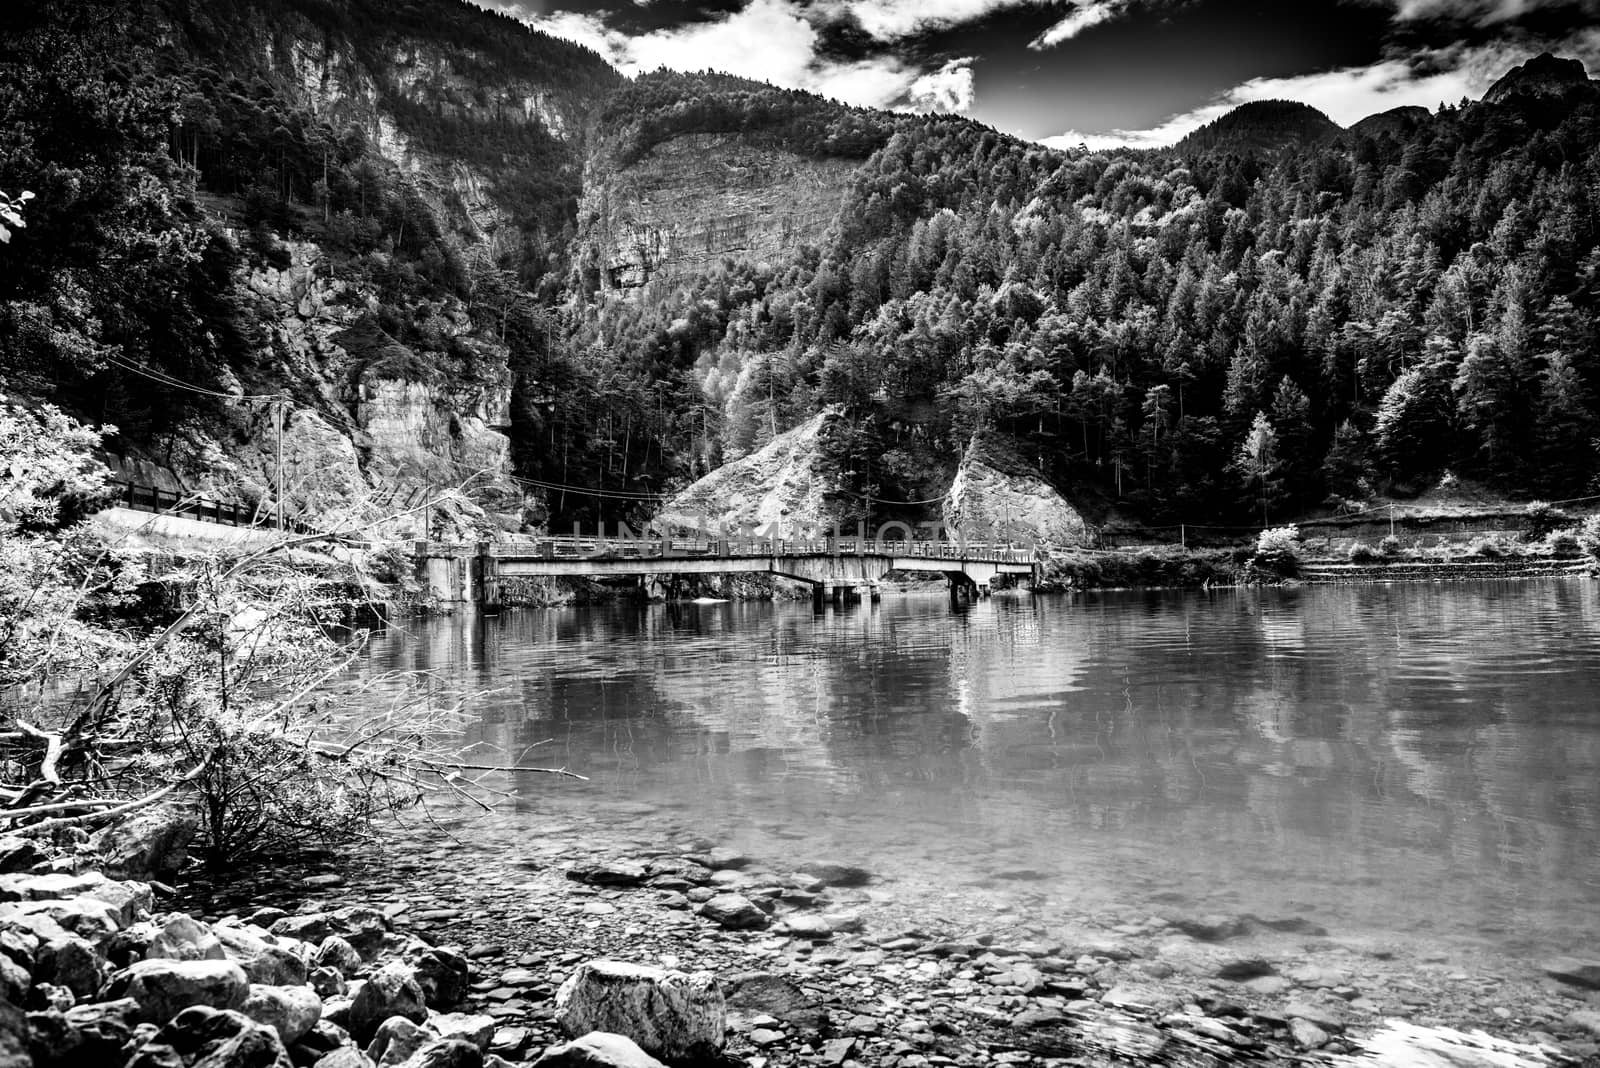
[{"x": 1138, "y": 72}]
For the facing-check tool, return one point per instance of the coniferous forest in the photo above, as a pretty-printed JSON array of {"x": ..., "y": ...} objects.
[{"x": 1274, "y": 309}]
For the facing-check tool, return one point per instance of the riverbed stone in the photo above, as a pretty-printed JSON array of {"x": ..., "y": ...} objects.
[
  {"x": 476, "y": 1028},
  {"x": 734, "y": 912},
  {"x": 669, "y": 1014},
  {"x": 292, "y": 1011},
  {"x": 837, "y": 873},
  {"x": 608, "y": 873},
  {"x": 163, "y": 988},
  {"x": 263, "y": 962},
  {"x": 803, "y": 925},
  {"x": 598, "y": 1049},
  {"x": 73, "y": 963},
  {"x": 310, "y": 927},
  {"x": 391, "y": 991},
  {"x": 445, "y": 1053},
  {"x": 337, "y": 953},
  {"x": 86, "y": 917},
  {"x": 364, "y": 928},
  {"x": 1574, "y": 970},
  {"x": 1306, "y": 1034},
  {"x": 214, "y": 1038},
  {"x": 396, "y": 1039},
  {"x": 184, "y": 938},
  {"x": 443, "y": 974},
  {"x": 153, "y": 844},
  {"x": 81, "y": 1035}
]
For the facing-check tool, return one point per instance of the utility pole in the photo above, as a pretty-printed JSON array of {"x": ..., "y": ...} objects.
[{"x": 277, "y": 411}]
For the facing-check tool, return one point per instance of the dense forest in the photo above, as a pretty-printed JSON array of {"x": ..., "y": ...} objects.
[{"x": 1274, "y": 310}]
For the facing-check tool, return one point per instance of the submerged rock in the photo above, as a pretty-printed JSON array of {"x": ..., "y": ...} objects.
[
  {"x": 735, "y": 912},
  {"x": 1573, "y": 970},
  {"x": 669, "y": 1014},
  {"x": 597, "y": 1049}
]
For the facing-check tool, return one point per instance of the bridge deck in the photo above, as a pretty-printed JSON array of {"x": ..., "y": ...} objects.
[{"x": 613, "y": 550}]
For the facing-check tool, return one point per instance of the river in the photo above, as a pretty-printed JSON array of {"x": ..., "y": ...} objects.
[{"x": 1406, "y": 765}]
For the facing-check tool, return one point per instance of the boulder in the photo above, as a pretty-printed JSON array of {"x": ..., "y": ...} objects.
[
  {"x": 597, "y": 1050},
  {"x": 73, "y": 963},
  {"x": 391, "y": 991},
  {"x": 312, "y": 927},
  {"x": 86, "y": 917},
  {"x": 292, "y": 1011},
  {"x": 130, "y": 901},
  {"x": 164, "y": 988},
  {"x": 608, "y": 873},
  {"x": 82, "y": 1035},
  {"x": 469, "y": 1027},
  {"x": 337, "y": 953},
  {"x": 263, "y": 962},
  {"x": 18, "y": 854},
  {"x": 670, "y": 1015},
  {"x": 203, "y": 1037},
  {"x": 346, "y": 1057},
  {"x": 150, "y": 845},
  {"x": 444, "y": 975},
  {"x": 184, "y": 938},
  {"x": 446, "y": 1053},
  {"x": 327, "y": 983},
  {"x": 13, "y": 1037},
  {"x": 804, "y": 925},
  {"x": 395, "y": 1040},
  {"x": 734, "y": 912},
  {"x": 15, "y": 981},
  {"x": 362, "y": 927}
]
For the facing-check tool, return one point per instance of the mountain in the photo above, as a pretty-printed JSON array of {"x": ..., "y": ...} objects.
[
  {"x": 1261, "y": 126},
  {"x": 451, "y": 250},
  {"x": 1398, "y": 123},
  {"x": 1543, "y": 76}
]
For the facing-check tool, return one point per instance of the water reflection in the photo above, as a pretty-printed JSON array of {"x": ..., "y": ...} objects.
[{"x": 1419, "y": 760}]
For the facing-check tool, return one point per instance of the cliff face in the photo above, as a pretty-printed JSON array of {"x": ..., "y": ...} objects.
[
  {"x": 695, "y": 199},
  {"x": 996, "y": 494},
  {"x": 783, "y": 484}
]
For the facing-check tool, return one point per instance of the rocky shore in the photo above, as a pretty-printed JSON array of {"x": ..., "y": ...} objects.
[{"x": 700, "y": 954}]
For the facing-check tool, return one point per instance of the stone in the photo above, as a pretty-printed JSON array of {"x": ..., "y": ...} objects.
[
  {"x": 763, "y": 1036},
  {"x": 129, "y": 901},
  {"x": 838, "y": 1050},
  {"x": 337, "y": 953},
  {"x": 270, "y": 965},
  {"x": 310, "y": 927},
  {"x": 598, "y": 1049},
  {"x": 82, "y": 1035},
  {"x": 1306, "y": 1034},
  {"x": 73, "y": 963},
  {"x": 1238, "y": 969},
  {"x": 510, "y": 1040},
  {"x": 1326, "y": 1018},
  {"x": 803, "y": 925},
  {"x": 346, "y": 1057},
  {"x": 327, "y": 983},
  {"x": 470, "y": 1027},
  {"x": 445, "y": 1053},
  {"x": 14, "y": 1037},
  {"x": 18, "y": 854},
  {"x": 444, "y": 975},
  {"x": 205, "y": 1037},
  {"x": 669, "y": 1014},
  {"x": 292, "y": 1011},
  {"x": 86, "y": 917},
  {"x": 734, "y": 912},
  {"x": 15, "y": 981},
  {"x": 364, "y": 928},
  {"x": 391, "y": 991},
  {"x": 164, "y": 988},
  {"x": 1585, "y": 1020},
  {"x": 833, "y": 873},
  {"x": 608, "y": 873},
  {"x": 184, "y": 938},
  {"x": 766, "y": 993},
  {"x": 395, "y": 1040},
  {"x": 1585, "y": 973},
  {"x": 1212, "y": 928},
  {"x": 152, "y": 844}
]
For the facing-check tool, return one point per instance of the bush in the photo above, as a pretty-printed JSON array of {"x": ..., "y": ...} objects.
[
  {"x": 1362, "y": 553},
  {"x": 1589, "y": 536},
  {"x": 1389, "y": 546},
  {"x": 1277, "y": 553},
  {"x": 1563, "y": 542},
  {"x": 1544, "y": 517},
  {"x": 1493, "y": 547}
]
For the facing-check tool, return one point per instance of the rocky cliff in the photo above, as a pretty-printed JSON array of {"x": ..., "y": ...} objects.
[
  {"x": 996, "y": 491},
  {"x": 785, "y": 484},
  {"x": 693, "y": 200}
]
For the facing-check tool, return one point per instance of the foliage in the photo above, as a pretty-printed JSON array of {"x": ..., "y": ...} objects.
[
  {"x": 1543, "y": 517},
  {"x": 1390, "y": 546},
  {"x": 11, "y": 213},
  {"x": 1564, "y": 542},
  {"x": 1589, "y": 535},
  {"x": 1362, "y": 553},
  {"x": 1165, "y": 566},
  {"x": 223, "y": 703}
]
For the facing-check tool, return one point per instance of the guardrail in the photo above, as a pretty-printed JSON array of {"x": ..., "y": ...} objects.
[
  {"x": 591, "y": 548},
  {"x": 154, "y": 499}
]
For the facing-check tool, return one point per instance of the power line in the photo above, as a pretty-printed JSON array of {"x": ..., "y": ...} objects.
[
  {"x": 165, "y": 379},
  {"x": 620, "y": 495}
]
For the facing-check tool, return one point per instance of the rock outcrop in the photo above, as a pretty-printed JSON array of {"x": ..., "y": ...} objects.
[
  {"x": 1542, "y": 77},
  {"x": 669, "y": 1014},
  {"x": 996, "y": 494},
  {"x": 785, "y": 484}
]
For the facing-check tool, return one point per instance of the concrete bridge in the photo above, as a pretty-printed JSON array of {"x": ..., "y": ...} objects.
[{"x": 837, "y": 569}]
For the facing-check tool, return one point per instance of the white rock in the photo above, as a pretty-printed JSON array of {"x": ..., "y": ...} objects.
[{"x": 669, "y": 1014}]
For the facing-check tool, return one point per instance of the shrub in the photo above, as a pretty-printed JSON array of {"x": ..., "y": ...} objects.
[
  {"x": 1389, "y": 546},
  {"x": 1563, "y": 542},
  {"x": 1362, "y": 553},
  {"x": 1589, "y": 536},
  {"x": 1277, "y": 553},
  {"x": 1544, "y": 517}
]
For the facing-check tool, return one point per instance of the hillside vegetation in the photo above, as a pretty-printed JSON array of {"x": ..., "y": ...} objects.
[{"x": 1189, "y": 334}]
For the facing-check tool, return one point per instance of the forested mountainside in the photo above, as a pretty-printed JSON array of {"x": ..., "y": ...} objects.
[{"x": 467, "y": 250}]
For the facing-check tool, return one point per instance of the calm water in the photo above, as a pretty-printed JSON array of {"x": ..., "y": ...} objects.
[{"x": 1413, "y": 763}]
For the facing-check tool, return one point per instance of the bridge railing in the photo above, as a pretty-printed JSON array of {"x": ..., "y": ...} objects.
[{"x": 598, "y": 548}]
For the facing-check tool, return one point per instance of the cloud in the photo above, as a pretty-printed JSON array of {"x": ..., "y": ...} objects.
[
  {"x": 1479, "y": 12},
  {"x": 1087, "y": 14},
  {"x": 1440, "y": 76},
  {"x": 774, "y": 41},
  {"x": 948, "y": 89},
  {"x": 890, "y": 20}
]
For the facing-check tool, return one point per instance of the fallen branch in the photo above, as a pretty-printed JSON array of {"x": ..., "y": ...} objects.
[
  {"x": 49, "y": 770},
  {"x": 131, "y": 806}
]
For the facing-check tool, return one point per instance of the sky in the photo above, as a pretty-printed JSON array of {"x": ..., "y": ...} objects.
[{"x": 1096, "y": 72}]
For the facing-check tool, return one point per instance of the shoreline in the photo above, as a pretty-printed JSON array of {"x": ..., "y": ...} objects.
[{"x": 857, "y": 959}]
